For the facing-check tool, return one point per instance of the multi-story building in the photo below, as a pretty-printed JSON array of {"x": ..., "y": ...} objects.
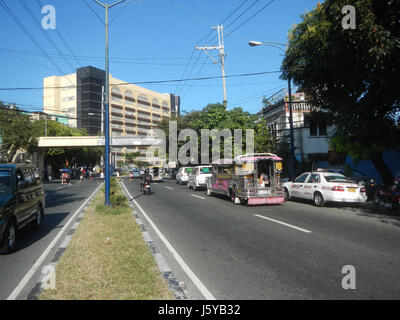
[
  {"x": 133, "y": 110},
  {"x": 311, "y": 127}
]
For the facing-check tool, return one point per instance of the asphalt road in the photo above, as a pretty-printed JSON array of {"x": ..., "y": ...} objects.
[
  {"x": 290, "y": 251},
  {"x": 61, "y": 202}
]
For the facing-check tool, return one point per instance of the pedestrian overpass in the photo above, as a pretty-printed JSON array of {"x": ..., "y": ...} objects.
[{"x": 94, "y": 141}]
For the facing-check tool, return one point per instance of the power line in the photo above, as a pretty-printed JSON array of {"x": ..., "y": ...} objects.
[
  {"x": 28, "y": 34},
  {"x": 206, "y": 36},
  {"x": 30, "y": 13},
  {"x": 94, "y": 12},
  {"x": 62, "y": 38},
  {"x": 151, "y": 82},
  {"x": 269, "y": 3}
]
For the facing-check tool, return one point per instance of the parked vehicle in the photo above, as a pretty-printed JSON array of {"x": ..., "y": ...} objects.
[
  {"x": 323, "y": 186},
  {"x": 135, "y": 173},
  {"x": 251, "y": 179},
  {"x": 197, "y": 178},
  {"x": 390, "y": 197},
  {"x": 369, "y": 184},
  {"x": 156, "y": 173},
  {"x": 182, "y": 175},
  {"x": 22, "y": 202}
]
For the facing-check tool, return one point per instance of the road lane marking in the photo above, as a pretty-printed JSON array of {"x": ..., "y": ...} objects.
[
  {"x": 21, "y": 285},
  {"x": 170, "y": 188},
  {"x": 193, "y": 195},
  {"x": 202, "y": 288},
  {"x": 284, "y": 223}
]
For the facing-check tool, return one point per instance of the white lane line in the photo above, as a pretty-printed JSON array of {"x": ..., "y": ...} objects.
[
  {"x": 193, "y": 195},
  {"x": 21, "y": 285},
  {"x": 170, "y": 188},
  {"x": 206, "y": 293},
  {"x": 284, "y": 223}
]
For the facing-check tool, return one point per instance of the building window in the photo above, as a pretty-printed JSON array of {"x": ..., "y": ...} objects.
[
  {"x": 165, "y": 107},
  {"x": 129, "y": 98},
  {"x": 318, "y": 127},
  {"x": 116, "y": 95},
  {"x": 143, "y": 102}
]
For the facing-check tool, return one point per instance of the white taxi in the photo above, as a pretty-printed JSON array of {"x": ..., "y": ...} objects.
[{"x": 324, "y": 186}]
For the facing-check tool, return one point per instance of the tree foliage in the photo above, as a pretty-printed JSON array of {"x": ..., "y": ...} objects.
[
  {"x": 352, "y": 73},
  {"x": 215, "y": 116},
  {"x": 16, "y": 131}
]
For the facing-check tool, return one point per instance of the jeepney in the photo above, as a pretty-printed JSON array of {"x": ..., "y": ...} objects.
[
  {"x": 156, "y": 173},
  {"x": 239, "y": 179}
]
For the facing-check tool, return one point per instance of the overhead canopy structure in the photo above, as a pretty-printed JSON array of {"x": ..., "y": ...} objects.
[{"x": 93, "y": 141}]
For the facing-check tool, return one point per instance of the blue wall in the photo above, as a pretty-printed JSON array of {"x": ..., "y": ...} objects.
[{"x": 391, "y": 158}]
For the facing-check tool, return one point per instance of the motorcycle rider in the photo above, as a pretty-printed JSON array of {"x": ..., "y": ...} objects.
[{"x": 146, "y": 178}]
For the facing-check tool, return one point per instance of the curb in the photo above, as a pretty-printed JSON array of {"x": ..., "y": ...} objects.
[
  {"x": 173, "y": 284},
  {"x": 37, "y": 289}
]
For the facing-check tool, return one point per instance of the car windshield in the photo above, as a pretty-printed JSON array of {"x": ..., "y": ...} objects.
[
  {"x": 205, "y": 170},
  {"x": 336, "y": 178},
  {"x": 5, "y": 179}
]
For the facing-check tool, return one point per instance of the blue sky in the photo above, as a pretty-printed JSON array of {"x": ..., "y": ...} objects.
[{"x": 152, "y": 40}]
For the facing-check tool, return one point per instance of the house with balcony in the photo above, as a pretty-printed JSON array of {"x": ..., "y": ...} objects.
[{"x": 311, "y": 128}]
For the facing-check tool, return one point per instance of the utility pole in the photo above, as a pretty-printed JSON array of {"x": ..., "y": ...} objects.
[
  {"x": 221, "y": 49},
  {"x": 106, "y": 108},
  {"x": 292, "y": 155},
  {"x": 102, "y": 123}
]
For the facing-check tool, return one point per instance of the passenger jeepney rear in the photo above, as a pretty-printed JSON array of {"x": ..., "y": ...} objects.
[
  {"x": 248, "y": 169},
  {"x": 239, "y": 179}
]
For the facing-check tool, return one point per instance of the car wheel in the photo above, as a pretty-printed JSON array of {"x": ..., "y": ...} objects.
[
  {"x": 37, "y": 222},
  {"x": 243, "y": 202},
  {"x": 287, "y": 195},
  {"x": 319, "y": 199},
  {"x": 9, "y": 239}
]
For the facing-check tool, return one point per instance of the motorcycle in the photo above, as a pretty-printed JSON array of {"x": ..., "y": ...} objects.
[
  {"x": 146, "y": 188},
  {"x": 389, "y": 197}
]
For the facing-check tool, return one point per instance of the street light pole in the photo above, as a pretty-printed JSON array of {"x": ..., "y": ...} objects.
[
  {"x": 292, "y": 167},
  {"x": 106, "y": 108}
]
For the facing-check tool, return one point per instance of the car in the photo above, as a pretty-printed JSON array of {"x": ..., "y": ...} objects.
[
  {"x": 22, "y": 202},
  {"x": 136, "y": 173},
  {"x": 197, "y": 178},
  {"x": 322, "y": 186},
  {"x": 182, "y": 175}
]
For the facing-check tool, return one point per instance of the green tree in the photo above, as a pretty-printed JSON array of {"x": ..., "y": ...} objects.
[
  {"x": 352, "y": 73},
  {"x": 16, "y": 131},
  {"x": 215, "y": 116}
]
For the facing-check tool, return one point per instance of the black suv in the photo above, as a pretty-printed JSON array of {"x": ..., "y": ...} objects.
[{"x": 22, "y": 201}]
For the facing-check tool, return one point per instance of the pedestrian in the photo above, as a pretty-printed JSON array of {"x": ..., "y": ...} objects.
[
  {"x": 91, "y": 175},
  {"x": 130, "y": 176},
  {"x": 63, "y": 178},
  {"x": 101, "y": 176}
]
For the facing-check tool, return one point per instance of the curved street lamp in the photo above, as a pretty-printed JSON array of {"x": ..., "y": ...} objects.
[{"x": 283, "y": 47}]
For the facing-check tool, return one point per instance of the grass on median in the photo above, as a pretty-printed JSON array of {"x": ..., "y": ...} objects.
[{"x": 121, "y": 268}]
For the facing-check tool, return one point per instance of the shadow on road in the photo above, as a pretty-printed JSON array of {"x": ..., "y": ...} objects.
[
  {"x": 27, "y": 237},
  {"x": 55, "y": 198}
]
